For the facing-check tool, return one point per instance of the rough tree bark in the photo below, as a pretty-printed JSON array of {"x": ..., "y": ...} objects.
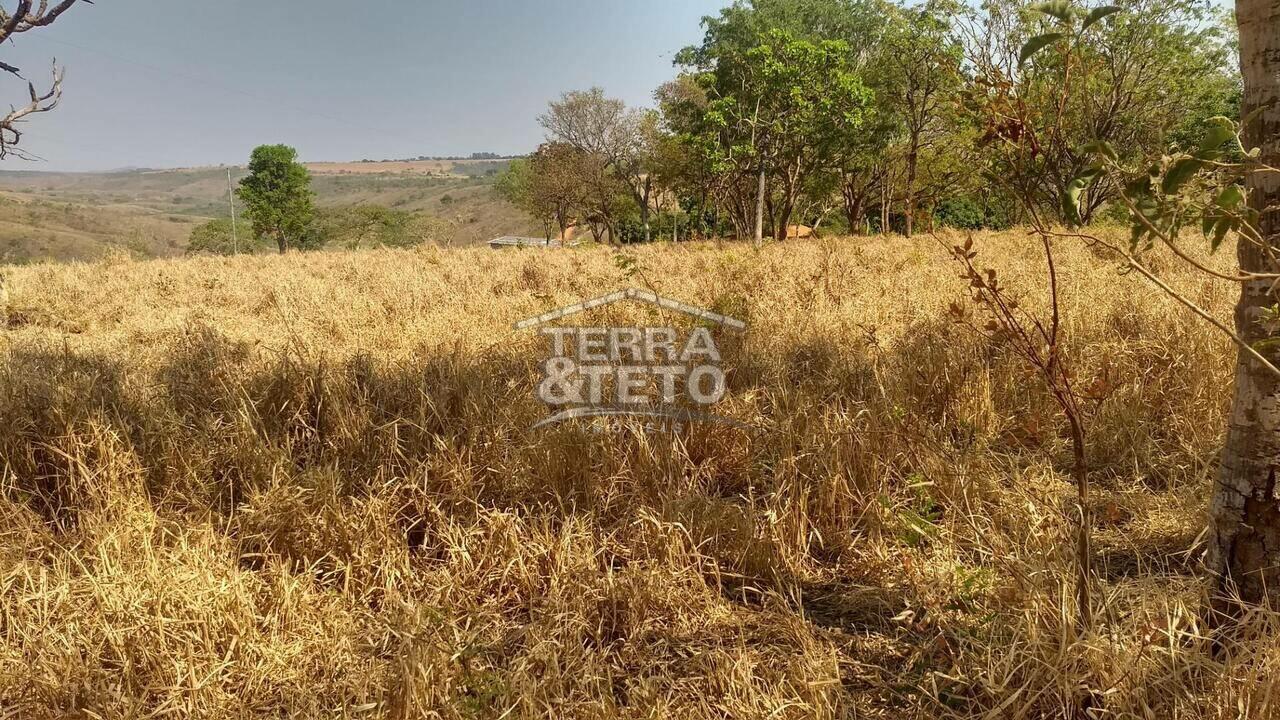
[
  {"x": 856, "y": 189},
  {"x": 759, "y": 233},
  {"x": 642, "y": 197},
  {"x": 855, "y": 214},
  {"x": 884, "y": 209},
  {"x": 913, "y": 160},
  {"x": 1244, "y": 530}
]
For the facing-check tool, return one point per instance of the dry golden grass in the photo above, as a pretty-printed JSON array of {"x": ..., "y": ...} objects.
[{"x": 305, "y": 486}]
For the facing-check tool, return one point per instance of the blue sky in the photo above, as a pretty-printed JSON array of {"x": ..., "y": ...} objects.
[{"x": 184, "y": 82}]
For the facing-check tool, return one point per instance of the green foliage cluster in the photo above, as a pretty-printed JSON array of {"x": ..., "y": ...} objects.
[
  {"x": 354, "y": 227},
  {"x": 216, "y": 237},
  {"x": 364, "y": 226},
  {"x": 280, "y": 206},
  {"x": 1062, "y": 77},
  {"x": 278, "y": 196},
  {"x": 869, "y": 114}
]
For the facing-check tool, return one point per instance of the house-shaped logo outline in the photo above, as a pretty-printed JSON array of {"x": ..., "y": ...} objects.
[{"x": 644, "y": 296}]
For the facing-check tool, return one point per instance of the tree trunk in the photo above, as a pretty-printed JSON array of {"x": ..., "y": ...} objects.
[
  {"x": 562, "y": 222},
  {"x": 856, "y": 216},
  {"x": 283, "y": 242},
  {"x": 855, "y": 208},
  {"x": 1244, "y": 517},
  {"x": 884, "y": 209},
  {"x": 644, "y": 207},
  {"x": 782, "y": 232},
  {"x": 759, "y": 238},
  {"x": 788, "y": 206},
  {"x": 913, "y": 158}
]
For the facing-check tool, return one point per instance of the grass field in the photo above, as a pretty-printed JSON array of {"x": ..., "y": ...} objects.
[{"x": 306, "y": 486}]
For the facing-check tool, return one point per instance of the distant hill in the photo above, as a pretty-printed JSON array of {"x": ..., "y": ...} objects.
[
  {"x": 34, "y": 229},
  {"x": 438, "y": 167},
  {"x": 150, "y": 213}
]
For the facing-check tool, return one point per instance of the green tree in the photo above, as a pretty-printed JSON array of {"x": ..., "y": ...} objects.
[
  {"x": 682, "y": 162},
  {"x": 775, "y": 115},
  {"x": 277, "y": 194},
  {"x": 559, "y": 189},
  {"x": 369, "y": 226},
  {"x": 554, "y": 185},
  {"x": 740, "y": 27},
  {"x": 512, "y": 184},
  {"x": 1244, "y": 538},
  {"x": 918, "y": 67},
  {"x": 865, "y": 165},
  {"x": 216, "y": 238},
  {"x": 1047, "y": 81},
  {"x": 1227, "y": 180},
  {"x": 616, "y": 144}
]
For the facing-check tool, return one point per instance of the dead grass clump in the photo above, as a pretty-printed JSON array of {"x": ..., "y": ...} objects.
[{"x": 307, "y": 486}]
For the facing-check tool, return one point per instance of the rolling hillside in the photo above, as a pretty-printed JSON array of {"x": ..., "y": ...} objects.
[
  {"x": 33, "y": 229},
  {"x": 150, "y": 213}
]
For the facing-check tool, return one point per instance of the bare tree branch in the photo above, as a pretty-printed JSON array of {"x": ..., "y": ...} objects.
[
  {"x": 22, "y": 19},
  {"x": 9, "y": 24},
  {"x": 10, "y": 135}
]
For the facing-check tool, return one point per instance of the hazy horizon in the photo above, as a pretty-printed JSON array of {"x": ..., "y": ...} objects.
[{"x": 446, "y": 78}]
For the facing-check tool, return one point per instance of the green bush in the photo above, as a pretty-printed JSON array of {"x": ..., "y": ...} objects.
[{"x": 216, "y": 238}]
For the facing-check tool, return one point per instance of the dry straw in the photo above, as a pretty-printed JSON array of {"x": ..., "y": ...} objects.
[{"x": 306, "y": 487}]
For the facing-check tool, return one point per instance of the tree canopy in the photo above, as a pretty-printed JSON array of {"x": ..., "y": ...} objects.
[
  {"x": 900, "y": 116},
  {"x": 277, "y": 193}
]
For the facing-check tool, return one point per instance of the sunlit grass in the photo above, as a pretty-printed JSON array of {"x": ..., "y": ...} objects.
[{"x": 306, "y": 486}]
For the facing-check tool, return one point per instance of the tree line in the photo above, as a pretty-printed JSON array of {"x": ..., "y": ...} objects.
[{"x": 860, "y": 116}]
